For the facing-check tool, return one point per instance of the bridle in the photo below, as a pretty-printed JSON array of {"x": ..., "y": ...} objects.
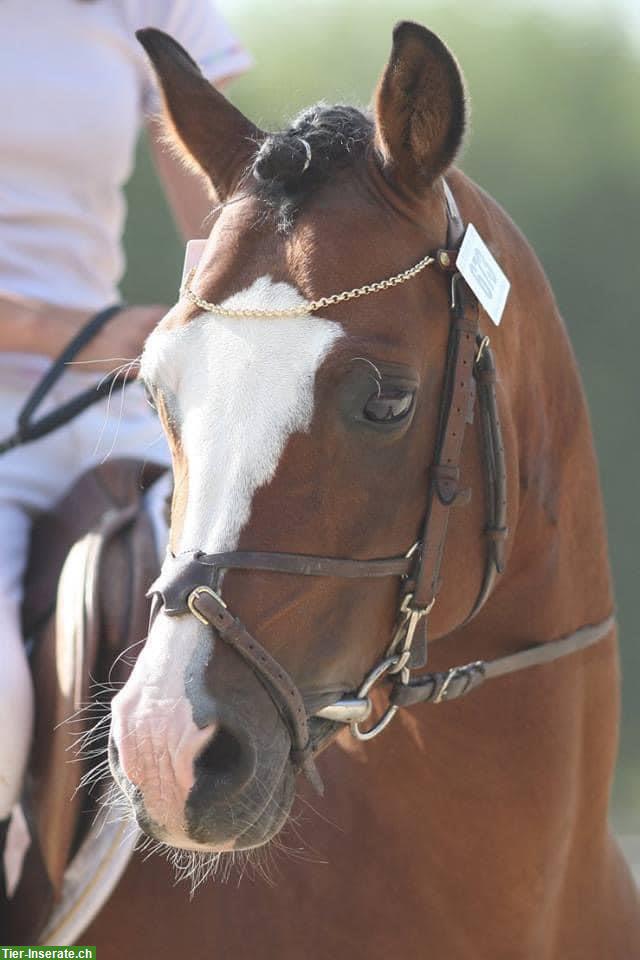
[{"x": 190, "y": 582}]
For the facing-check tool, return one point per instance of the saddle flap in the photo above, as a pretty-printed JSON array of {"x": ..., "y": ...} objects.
[{"x": 87, "y": 594}]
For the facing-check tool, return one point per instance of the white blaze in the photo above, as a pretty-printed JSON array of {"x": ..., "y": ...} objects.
[{"x": 242, "y": 387}]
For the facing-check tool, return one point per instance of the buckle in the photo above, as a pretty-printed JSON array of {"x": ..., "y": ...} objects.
[
  {"x": 197, "y": 592},
  {"x": 471, "y": 672},
  {"x": 484, "y": 343}
]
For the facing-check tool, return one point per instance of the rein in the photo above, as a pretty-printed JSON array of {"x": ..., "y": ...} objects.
[
  {"x": 191, "y": 582},
  {"x": 28, "y": 430}
]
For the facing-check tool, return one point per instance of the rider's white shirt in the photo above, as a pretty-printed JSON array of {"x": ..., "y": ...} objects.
[{"x": 75, "y": 88}]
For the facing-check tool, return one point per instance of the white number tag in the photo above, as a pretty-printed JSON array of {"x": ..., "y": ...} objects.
[{"x": 482, "y": 273}]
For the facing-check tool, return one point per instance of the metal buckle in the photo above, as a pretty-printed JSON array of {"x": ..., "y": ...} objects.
[
  {"x": 448, "y": 680},
  {"x": 468, "y": 671},
  {"x": 195, "y": 593},
  {"x": 484, "y": 343},
  {"x": 453, "y": 301}
]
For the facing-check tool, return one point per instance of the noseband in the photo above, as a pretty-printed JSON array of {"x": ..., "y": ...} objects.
[{"x": 191, "y": 582}]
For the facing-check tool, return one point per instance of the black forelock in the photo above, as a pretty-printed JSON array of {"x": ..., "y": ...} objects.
[{"x": 289, "y": 165}]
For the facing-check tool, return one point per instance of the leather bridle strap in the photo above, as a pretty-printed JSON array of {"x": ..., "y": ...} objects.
[
  {"x": 459, "y": 393},
  {"x": 469, "y": 367},
  {"x": 211, "y": 610},
  {"x": 180, "y": 573},
  {"x": 458, "y": 399},
  {"x": 458, "y": 681},
  {"x": 495, "y": 473}
]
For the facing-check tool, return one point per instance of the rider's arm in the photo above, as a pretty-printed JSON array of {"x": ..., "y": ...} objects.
[
  {"x": 27, "y": 324},
  {"x": 31, "y": 327}
]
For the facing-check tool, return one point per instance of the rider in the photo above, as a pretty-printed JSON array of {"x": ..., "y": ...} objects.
[{"x": 75, "y": 88}]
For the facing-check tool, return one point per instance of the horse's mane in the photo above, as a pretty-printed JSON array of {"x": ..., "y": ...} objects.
[{"x": 290, "y": 164}]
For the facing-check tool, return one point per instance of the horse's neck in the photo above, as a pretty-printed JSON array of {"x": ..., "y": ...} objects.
[
  {"x": 512, "y": 784},
  {"x": 559, "y": 566}
]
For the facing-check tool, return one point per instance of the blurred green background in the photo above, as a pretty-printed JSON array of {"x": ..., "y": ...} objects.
[{"x": 555, "y": 138}]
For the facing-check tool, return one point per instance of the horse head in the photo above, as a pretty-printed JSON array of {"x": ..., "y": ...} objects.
[{"x": 300, "y": 423}]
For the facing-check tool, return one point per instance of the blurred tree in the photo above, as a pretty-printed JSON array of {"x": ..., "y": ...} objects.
[{"x": 554, "y": 138}]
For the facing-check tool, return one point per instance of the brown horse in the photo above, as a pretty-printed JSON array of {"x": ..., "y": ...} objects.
[{"x": 475, "y": 829}]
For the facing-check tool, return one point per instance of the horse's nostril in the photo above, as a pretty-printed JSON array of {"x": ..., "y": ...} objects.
[
  {"x": 227, "y": 761},
  {"x": 223, "y": 752}
]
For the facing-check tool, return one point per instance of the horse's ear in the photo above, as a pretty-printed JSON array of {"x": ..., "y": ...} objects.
[
  {"x": 210, "y": 130},
  {"x": 420, "y": 109}
]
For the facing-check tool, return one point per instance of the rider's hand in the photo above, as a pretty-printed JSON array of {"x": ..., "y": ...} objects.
[{"x": 122, "y": 338}]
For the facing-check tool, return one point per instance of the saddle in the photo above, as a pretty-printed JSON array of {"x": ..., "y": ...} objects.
[{"x": 85, "y": 614}]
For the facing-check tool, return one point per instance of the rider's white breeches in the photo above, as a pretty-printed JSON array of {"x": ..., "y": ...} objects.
[{"x": 32, "y": 479}]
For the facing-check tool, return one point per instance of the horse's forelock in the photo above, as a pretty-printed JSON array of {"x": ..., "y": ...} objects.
[{"x": 290, "y": 164}]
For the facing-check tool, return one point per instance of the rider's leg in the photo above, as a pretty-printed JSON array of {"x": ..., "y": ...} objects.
[
  {"x": 16, "y": 691},
  {"x": 16, "y": 709},
  {"x": 32, "y": 479}
]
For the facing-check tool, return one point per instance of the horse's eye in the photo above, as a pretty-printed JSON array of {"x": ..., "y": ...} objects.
[{"x": 389, "y": 405}]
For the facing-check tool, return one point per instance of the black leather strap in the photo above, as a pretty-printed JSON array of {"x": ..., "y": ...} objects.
[
  {"x": 211, "y": 609},
  {"x": 495, "y": 474},
  {"x": 456, "y": 412},
  {"x": 182, "y": 572},
  {"x": 458, "y": 681},
  {"x": 27, "y": 430}
]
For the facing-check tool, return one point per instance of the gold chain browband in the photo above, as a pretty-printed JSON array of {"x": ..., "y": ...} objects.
[{"x": 310, "y": 306}]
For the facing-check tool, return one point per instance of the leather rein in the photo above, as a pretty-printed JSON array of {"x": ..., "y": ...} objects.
[
  {"x": 191, "y": 582},
  {"x": 29, "y": 430}
]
